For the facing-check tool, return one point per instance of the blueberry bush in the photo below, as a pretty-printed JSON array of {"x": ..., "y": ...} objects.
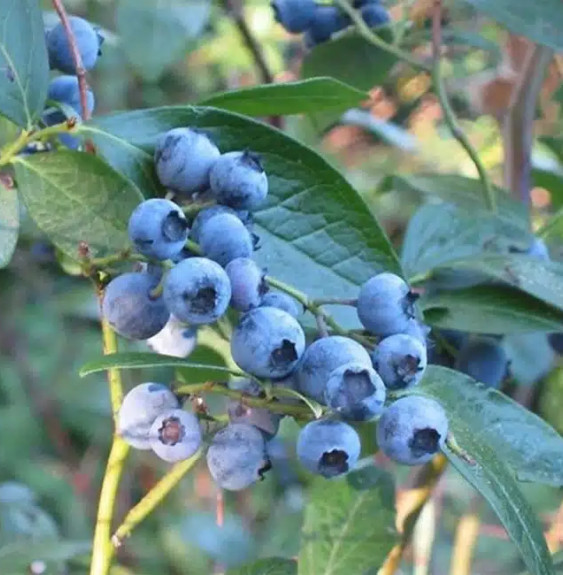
[{"x": 311, "y": 369}]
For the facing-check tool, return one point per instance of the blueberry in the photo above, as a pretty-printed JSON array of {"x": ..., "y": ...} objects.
[
  {"x": 361, "y": 3},
  {"x": 374, "y": 15},
  {"x": 355, "y": 391},
  {"x": 204, "y": 216},
  {"x": 327, "y": 20},
  {"x": 237, "y": 457},
  {"x": 538, "y": 250},
  {"x": 158, "y": 229},
  {"x": 130, "y": 308},
  {"x": 322, "y": 357},
  {"x": 412, "y": 430},
  {"x": 385, "y": 304},
  {"x": 87, "y": 41},
  {"x": 260, "y": 417},
  {"x": 328, "y": 448},
  {"x": 281, "y": 301},
  {"x": 247, "y": 283},
  {"x": 483, "y": 359},
  {"x": 197, "y": 291},
  {"x": 267, "y": 342},
  {"x": 417, "y": 330},
  {"x": 140, "y": 407},
  {"x": 294, "y": 15},
  {"x": 175, "y": 435},
  {"x": 400, "y": 360},
  {"x": 65, "y": 90},
  {"x": 238, "y": 180},
  {"x": 556, "y": 342},
  {"x": 224, "y": 238},
  {"x": 183, "y": 158},
  {"x": 174, "y": 339}
]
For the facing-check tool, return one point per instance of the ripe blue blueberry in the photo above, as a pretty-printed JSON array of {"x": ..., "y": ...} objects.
[
  {"x": 131, "y": 309},
  {"x": 328, "y": 448},
  {"x": 175, "y": 435},
  {"x": 385, "y": 304},
  {"x": 183, "y": 158},
  {"x": 322, "y": 357},
  {"x": 175, "y": 339},
  {"x": 158, "y": 229},
  {"x": 237, "y": 457},
  {"x": 267, "y": 342},
  {"x": 483, "y": 359},
  {"x": 374, "y": 15},
  {"x": 281, "y": 301},
  {"x": 88, "y": 42},
  {"x": 417, "y": 329},
  {"x": 327, "y": 20},
  {"x": 140, "y": 407},
  {"x": 247, "y": 283},
  {"x": 65, "y": 89},
  {"x": 294, "y": 15},
  {"x": 400, "y": 360},
  {"x": 197, "y": 291},
  {"x": 204, "y": 216},
  {"x": 355, "y": 391},
  {"x": 238, "y": 180},
  {"x": 412, "y": 430},
  {"x": 224, "y": 238}
]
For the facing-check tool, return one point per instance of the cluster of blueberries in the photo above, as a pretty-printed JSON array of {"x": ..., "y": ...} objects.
[
  {"x": 320, "y": 21},
  {"x": 268, "y": 343}
]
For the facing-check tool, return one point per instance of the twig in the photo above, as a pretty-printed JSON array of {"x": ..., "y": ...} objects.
[
  {"x": 321, "y": 325},
  {"x": 152, "y": 499},
  {"x": 466, "y": 535},
  {"x": 449, "y": 115}
]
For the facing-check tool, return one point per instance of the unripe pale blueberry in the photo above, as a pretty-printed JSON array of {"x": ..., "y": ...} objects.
[
  {"x": 224, "y": 238},
  {"x": 355, "y": 391},
  {"x": 183, "y": 158},
  {"x": 88, "y": 41},
  {"x": 328, "y": 448},
  {"x": 385, "y": 304},
  {"x": 412, "y": 430},
  {"x": 281, "y": 301},
  {"x": 131, "y": 309},
  {"x": 175, "y": 339},
  {"x": 237, "y": 457},
  {"x": 140, "y": 407},
  {"x": 322, "y": 357},
  {"x": 400, "y": 360},
  {"x": 267, "y": 342},
  {"x": 238, "y": 180},
  {"x": 158, "y": 229},
  {"x": 175, "y": 435},
  {"x": 327, "y": 20},
  {"x": 197, "y": 291},
  {"x": 483, "y": 359},
  {"x": 294, "y": 15},
  {"x": 247, "y": 283}
]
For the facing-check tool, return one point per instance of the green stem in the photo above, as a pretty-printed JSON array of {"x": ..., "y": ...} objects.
[{"x": 194, "y": 209}]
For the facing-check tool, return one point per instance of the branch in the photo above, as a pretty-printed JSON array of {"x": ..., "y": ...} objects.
[
  {"x": 449, "y": 115},
  {"x": 466, "y": 535}
]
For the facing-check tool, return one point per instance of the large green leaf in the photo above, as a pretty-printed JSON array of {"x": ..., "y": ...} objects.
[
  {"x": 155, "y": 35},
  {"x": 75, "y": 197},
  {"x": 303, "y": 97},
  {"x": 9, "y": 223},
  {"x": 347, "y": 528},
  {"x": 490, "y": 309},
  {"x": 314, "y": 227},
  {"x": 269, "y": 566},
  {"x": 16, "y": 558},
  {"x": 24, "y": 69},
  {"x": 542, "y": 21},
  {"x": 350, "y": 59}
]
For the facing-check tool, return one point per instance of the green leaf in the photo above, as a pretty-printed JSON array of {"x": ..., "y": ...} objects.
[
  {"x": 490, "y": 309},
  {"x": 313, "y": 220},
  {"x": 24, "y": 68},
  {"x": 138, "y": 360},
  {"x": 9, "y": 223},
  {"x": 17, "y": 557},
  {"x": 543, "y": 280},
  {"x": 557, "y": 563},
  {"x": 350, "y": 59},
  {"x": 75, "y": 197},
  {"x": 303, "y": 97},
  {"x": 155, "y": 35},
  {"x": 542, "y": 21},
  {"x": 269, "y": 566},
  {"x": 554, "y": 227},
  {"x": 530, "y": 356},
  {"x": 346, "y": 529}
]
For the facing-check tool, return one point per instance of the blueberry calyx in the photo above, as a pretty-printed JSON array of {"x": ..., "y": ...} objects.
[
  {"x": 408, "y": 303},
  {"x": 174, "y": 227},
  {"x": 204, "y": 301},
  {"x": 284, "y": 354},
  {"x": 333, "y": 463},
  {"x": 252, "y": 160},
  {"x": 171, "y": 432},
  {"x": 424, "y": 441}
]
